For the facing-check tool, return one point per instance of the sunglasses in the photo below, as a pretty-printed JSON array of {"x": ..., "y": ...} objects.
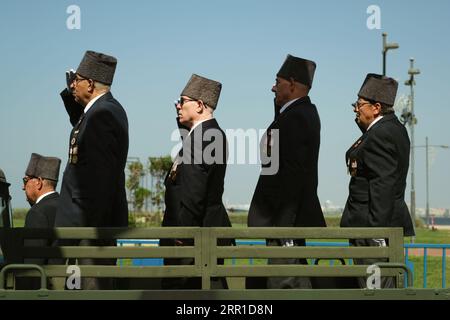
[
  {"x": 26, "y": 179},
  {"x": 182, "y": 101}
]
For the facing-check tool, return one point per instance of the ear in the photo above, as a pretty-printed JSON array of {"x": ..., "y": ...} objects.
[
  {"x": 292, "y": 83},
  {"x": 91, "y": 85},
  {"x": 200, "y": 106},
  {"x": 376, "y": 109},
  {"x": 39, "y": 183}
]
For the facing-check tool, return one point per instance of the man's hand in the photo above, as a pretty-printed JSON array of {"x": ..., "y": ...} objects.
[{"x": 70, "y": 76}]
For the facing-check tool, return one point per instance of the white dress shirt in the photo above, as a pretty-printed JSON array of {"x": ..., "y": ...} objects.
[
  {"x": 89, "y": 105},
  {"x": 287, "y": 104},
  {"x": 43, "y": 196}
]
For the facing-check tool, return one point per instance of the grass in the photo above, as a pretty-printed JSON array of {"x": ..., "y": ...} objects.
[
  {"x": 434, "y": 272},
  {"x": 424, "y": 235}
]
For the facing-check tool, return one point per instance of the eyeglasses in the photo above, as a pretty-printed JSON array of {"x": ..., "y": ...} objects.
[
  {"x": 77, "y": 79},
  {"x": 358, "y": 106},
  {"x": 182, "y": 101},
  {"x": 26, "y": 179}
]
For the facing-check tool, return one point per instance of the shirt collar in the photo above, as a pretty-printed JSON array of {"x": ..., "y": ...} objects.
[
  {"x": 197, "y": 124},
  {"x": 89, "y": 105},
  {"x": 287, "y": 104},
  {"x": 373, "y": 122},
  {"x": 43, "y": 196}
]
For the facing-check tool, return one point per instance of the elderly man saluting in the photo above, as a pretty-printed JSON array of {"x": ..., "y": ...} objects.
[{"x": 93, "y": 186}]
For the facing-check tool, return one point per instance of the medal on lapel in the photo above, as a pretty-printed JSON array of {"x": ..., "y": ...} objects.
[
  {"x": 269, "y": 143},
  {"x": 352, "y": 163},
  {"x": 357, "y": 143},
  {"x": 73, "y": 149},
  {"x": 173, "y": 170},
  {"x": 352, "y": 166}
]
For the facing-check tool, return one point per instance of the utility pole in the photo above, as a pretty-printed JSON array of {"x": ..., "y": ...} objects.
[
  {"x": 412, "y": 122},
  {"x": 386, "y": 47},
  {"x": 427, "y": 210},
  {"x": 427, "y": 147}
]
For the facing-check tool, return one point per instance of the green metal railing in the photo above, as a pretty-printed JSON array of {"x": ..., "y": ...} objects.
[{"x": 205, "y": 253}]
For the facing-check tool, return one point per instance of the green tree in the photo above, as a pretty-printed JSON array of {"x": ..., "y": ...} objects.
[
  {"x": 137, "y": 193},
  {"x": 158, "y": 168}
]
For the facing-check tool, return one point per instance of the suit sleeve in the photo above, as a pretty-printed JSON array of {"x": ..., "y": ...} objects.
[
  {"x": 73, "y": 108},
  {"x": 36, "y": 219},
  {"x": 102, "y": 160},
  {"x": 193, "y": 197},
  {"x": 380, "y": 157},
  {"x": 194, "y": 182},
  {"x": 294, "y": 155}
]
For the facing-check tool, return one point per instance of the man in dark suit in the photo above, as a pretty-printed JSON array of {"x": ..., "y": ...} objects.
[
  {"x": 195, "y": 183},
  {"x": 39, "y": 184},
  {"x": 93, "y": 186},
  {"x": 378, "y": 164},
  {"x": 287, "y": 197}
]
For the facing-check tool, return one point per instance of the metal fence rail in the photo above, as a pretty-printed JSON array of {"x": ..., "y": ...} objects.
[
  {"x": 206, "y": 253},
  {"x": 425, "y": 248},
  {"x": 240, "y": 242}
]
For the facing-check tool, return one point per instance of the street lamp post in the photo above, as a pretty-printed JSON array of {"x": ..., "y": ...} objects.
[
  {"x": 427, "y": 208},
  {"x": 411, "y": 122},
  {"x": 426, "y": 146},
  {"x": 386, "y": 47}
]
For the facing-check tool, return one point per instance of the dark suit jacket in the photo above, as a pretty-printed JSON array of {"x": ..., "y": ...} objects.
[
  {"x": 378, "y": 162},
  {"x": 41, "y": 215},
  {"x": 93, "y": 189},
  {"x": 194, "y": 190},
  {"x": 289, "y": 197}
]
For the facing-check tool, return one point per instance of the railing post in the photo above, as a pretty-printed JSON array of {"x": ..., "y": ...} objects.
[
  {"x": 396, "y": 251},
  {"x": 406, "y": 261},
  {"x": 425, "y": 252},
  {"x": 205, "y": 248},
  {"x": 444, "y": 267}
]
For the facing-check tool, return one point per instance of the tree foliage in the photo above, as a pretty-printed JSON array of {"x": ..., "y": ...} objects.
[
  {"x": 137, "y": 194},
  {"x": 158, "y": 168}
]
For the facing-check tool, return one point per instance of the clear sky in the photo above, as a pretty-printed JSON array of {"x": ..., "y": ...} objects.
[{"x": 242, "y": 44}]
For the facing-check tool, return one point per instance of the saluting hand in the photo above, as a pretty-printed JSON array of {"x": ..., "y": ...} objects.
[{"x": 70, "y": 76}]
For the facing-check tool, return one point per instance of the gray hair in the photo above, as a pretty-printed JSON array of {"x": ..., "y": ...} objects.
[
  {"x": 386, "y": 109},
  {"x": 101, "y": 86}
]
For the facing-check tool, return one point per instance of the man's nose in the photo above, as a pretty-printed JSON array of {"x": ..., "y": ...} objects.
[{"x": 274, "y": 87}]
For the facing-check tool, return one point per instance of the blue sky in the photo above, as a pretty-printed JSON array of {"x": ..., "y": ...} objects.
[{"x": 242, "y": 44}]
